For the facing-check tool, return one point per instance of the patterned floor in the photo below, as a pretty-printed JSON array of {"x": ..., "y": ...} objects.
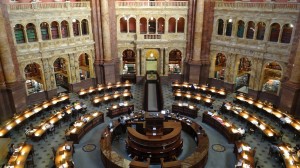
[{"x": 43, "y": 153}]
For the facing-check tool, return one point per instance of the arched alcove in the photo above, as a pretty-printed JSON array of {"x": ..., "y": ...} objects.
[
  {"x": 34, "y": 79},
  {"x": 229, "y": 27},
  {"x": 31, "y": 32},
  {"x": 45, "y": 31},
  {"x": 84, "y": 66},
  {"x": 180, "y": 25},
  {"x": 272, "y": 75},
  {"x": 152, "y": 25},
  {"x": 243, "y": 75},
  {"x": 143, "y": 25},
  {"x": 132, "y": 25},
  {"x": 76, "y": 29},
  {"x": 19, "y": 33},
  {"x": 54, "y": 30},
  {"x": 261, "y": 28},
  {"x": 123, "y": 25},
  {"x": 220, "y": 26},
  {"x": 128, "y": 58},
  {"x": 84, "y": 27},
  {"x": 287, "y": 33},
  {"x": 240, "y": 29},
  {"x": 275, "y": 30},
  {"x": 250, "y": 30},
  {"x": 61, "y": 72},
  {"x": 220, "y": 66},
  {"x": 175, "y": 58},
  {"x": 172, "y": 25},
  {"x": 161, "y": 26},
  {"x": 64, "y": 29}
]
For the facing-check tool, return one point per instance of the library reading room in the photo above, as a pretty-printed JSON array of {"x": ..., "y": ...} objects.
[{"x": 150, "y": 83}]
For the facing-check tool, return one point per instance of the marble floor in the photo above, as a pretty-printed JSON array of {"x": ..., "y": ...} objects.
[{"x": 43, "y": 157}]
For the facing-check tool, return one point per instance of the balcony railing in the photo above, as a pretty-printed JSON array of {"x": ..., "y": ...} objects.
[
  {"x": 152, "y": 36},
  {"x": 125, "y": 4},
  {"x": 46, "y": 5},
  {"x": 255, "y": 6}
]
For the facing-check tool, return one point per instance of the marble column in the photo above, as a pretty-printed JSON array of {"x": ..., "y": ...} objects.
[
  {"x": 161, "y": 60},
  {"x": 166, "y": 56},
  {"x": 105, "y": 30},
  {"x": 143, "y": 63},
  {"x": 198, "y": 30},
  {"x": 138, "y": 55}
]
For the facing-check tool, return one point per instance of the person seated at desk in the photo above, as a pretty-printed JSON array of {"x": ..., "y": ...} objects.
[
  {"x": 84, "y": 107},
  {"x": 84, "y": 119},
  {"x": 241, "y": 130},
  {"x": 11, "y": 150}
]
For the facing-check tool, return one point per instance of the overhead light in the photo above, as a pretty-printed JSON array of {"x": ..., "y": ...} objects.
[
  {"x": 74, "y": 20},
  {"x": 291, "y": 25},
  {"x": 230, "y": 20},
  {"x": 151, "y": 18}
]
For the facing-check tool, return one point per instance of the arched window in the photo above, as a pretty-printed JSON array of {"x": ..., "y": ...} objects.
[
  {"x": 76, "y": 28},
  {"x": 152, "y": 25},
  {"x": 261, "y": 28},
  {"x": 271, "y": 78},
  {"x": 84, "y": 66},
  {"x": 132, "y": 25},
  {"x": 240, "y": 29},
  {"x": 143, "y": 25},
  {"x": 54, "y": 30},
  {"x": 229, "y": 27},
  {"x": 19, "y": 33},
  {"x": 123, "y": 25},
  {"x": 45, "y": 31},
  {"x": 175, "y": 58},
  {"x": 220, "y": 66},
  {"x": 250, "y": 30},
  {"x": 31, "y": 33},
  {"x": 180, "y": 25},
  {"x": 172, "y": 25},
  {"x": 34, "y": 81},
  {"x": 64, "y": 29},
  {"x": 161, "y": 26},
  {"x": 220, "y": 26},
  {"x": 128, "y": 62},
  {"x": 85, "y": 27},
  {"x": 275, "y": 30},
  {"x": 243, "y": 75},
  {"x": 287, "y": 33}
]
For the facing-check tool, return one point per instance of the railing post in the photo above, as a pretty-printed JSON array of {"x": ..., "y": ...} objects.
[{"x": 68, "y": 4}]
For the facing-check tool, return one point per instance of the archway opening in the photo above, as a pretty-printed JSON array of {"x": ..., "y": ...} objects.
[
  {"x": 128, "y": 62},
  {"x": 243, "y": 75},
  {"x": 175, "y": 57},
  {"x": 161, "y": 26},
  {"x": 84, "y": 66},
  {"x": 152, "y": 25},
  {"x": 271, "y": 78},
  {"x": 61, "y": 73},
  {"x": 143, "y": 25},
  {"x": 45, "y": 31},
  {"x": 220, "y": 66},
  {"x": 54, "y": 30},
  {"x": 34, "y": 80},
  {"x": 19, "y": 33},
  {"x": 123, "y": 25}
]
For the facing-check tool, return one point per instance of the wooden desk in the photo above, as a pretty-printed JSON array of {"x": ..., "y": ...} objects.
[
  {"x": 197, "y": 159},
  {"x": 244, "y": 154},
  {"x": 19, "y": 157},
  {"x": 268, "y": 109},
  {"x": 139, "y": 164},
  {"x": 40, "y": 130},
  {"x": 80, "y": 128},
  {"x": 109, "y": 97},
  {"x": 221, "y": 93},
  {"x": 291, "y": 160},
  {"x": 20, "y": 118},
  {"x": 119, "y": 109},
  {"x": 229, "y": 130},
  {"x": 195, "y": 97},
  {"x": 266, "y": 129},
  {"x": 185, "y": 109},
  {"x": 64, "y": 155}
]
